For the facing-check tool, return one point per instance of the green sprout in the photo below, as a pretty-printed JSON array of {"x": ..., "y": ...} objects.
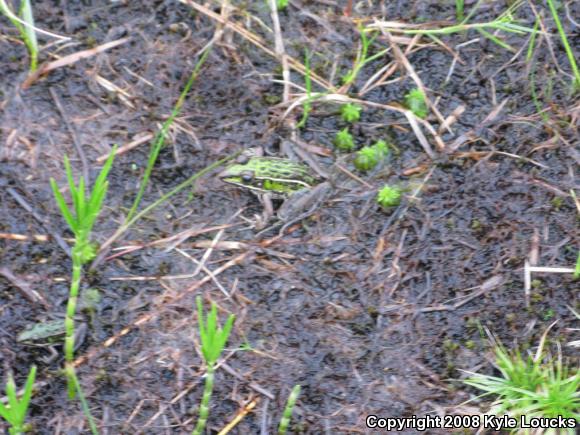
[
  {"x": 344, "y": 140},
  {"x": 459, "y": 10},
  {"x": 566, "y": 44},
  {"x": 281, "y": 4},
  {"x": 350, "y": 112},
  {"x": 287, "y": 415},
  {"x": 576, "y": 274},
  {"x": 529, "y": 387},
  {"x": 86, "y": 210},
  {"x": 26, "y": 30},
  {"x": 15, "y": 412},
  {"x": 213, "y": 341},
  {"x": 417, "y": 103},
  {"x": 389, "y": 196},
  {"x": 369, "y": 157},
  {"x": 362, "y": 57}
]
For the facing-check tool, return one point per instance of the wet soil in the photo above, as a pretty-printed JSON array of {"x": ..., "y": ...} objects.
[{"x": 367, "y": 309}]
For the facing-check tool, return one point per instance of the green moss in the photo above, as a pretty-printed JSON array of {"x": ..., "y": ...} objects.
[
  {"x": 344, "y": 140},
  {"x": 350, "y": 112},
  {"x": 368, "y": 157},
  {"x": 389, "y": 196},
  {"x": 416, "y": 102}
]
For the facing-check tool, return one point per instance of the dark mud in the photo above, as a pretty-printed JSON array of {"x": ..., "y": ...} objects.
[{"x": 357, "y": 304}]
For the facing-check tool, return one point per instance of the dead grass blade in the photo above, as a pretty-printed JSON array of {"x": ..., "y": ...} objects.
[
  {"x": 258, "y": 42},
  {"x": 69, "y": 60}
]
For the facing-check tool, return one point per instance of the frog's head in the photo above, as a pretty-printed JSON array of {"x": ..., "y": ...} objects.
[{"x": 243, "y": 174}]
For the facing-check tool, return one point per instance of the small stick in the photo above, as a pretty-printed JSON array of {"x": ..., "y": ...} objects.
[
  {"x": 73, "y": 133},
  {"x": 280, "y": 51},
  {"x": 22, "y": 202},
  {"x": 29, "y": 293},
  {"x": 68, "y": 60}
]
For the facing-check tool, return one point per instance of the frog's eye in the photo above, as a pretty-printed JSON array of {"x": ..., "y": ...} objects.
[
  {"x": 243, "y": 159},
  {"x": 247, "y": 177}
]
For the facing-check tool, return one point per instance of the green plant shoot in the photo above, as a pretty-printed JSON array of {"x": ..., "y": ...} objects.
[
  {"x": 369, "y": 157},
  {"x": 281, "y": 4},
  {"x": 350, "y": 112},
  {"x": 86, "y": 209},
  {"x": 389, "y": 196},
  {"x": 417, "y": 103},
  {"x": 287, "y": 415},
  {"x": 27, "y": 32},
  {"x": 344, "y": 140},
  {"x": 362, "y": 57},
  {"x": 15, "y": 412},
  {"x": 213, "y": 340}
]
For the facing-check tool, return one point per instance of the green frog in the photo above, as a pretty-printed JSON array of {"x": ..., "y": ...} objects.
[
  {"x": 278, "y": 178},
  {"x": 49, "y": 334}
]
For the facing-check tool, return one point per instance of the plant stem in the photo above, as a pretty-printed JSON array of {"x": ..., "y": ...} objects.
[
  {"x": 69, "y": 340},
  {"x": 569, "y": 53},
  {"x": 204, "y": 406}
]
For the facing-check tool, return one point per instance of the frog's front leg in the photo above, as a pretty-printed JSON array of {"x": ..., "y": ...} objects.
[
  {"x": 53, "y": 355},
  {"x": 267, "y": 213}
]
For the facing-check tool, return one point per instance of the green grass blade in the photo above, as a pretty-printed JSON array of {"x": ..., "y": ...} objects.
[
  {"x": 85, "y": 405},
  {"x": 5, "y": 412},
  {"x": 29, "y": 35},
  {"x": 288, "y": 409},
  {"x": 159, "y": 140},
  {"x": 64, "y": 210},
  {"x": 28, "y": 388},
  {"x": 565, "y": 43},
  {"x": 100, "y": 181},
  {"x": 6, "y": 11},
  {"x": 12, "y": 401},
  {"x": 533, "y": 40},
  {"x": 496, "y": 40},
  {"x": 71, "y": 183}
]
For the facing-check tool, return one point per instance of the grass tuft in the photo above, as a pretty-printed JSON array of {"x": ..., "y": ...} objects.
[
  {"x": 529, "y": 387},
  {"x": 15, "y": 412}
]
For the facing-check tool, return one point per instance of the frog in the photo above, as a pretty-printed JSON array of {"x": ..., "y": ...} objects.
[
  {"x": 49, "y": 334},
  {"x": 278, "y": 178}
]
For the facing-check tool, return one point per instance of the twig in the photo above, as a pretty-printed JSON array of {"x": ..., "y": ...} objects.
[
  {"x": 402, "y": 59},
  {"x": 28, "y": 292},
  {"x": 22, "y": 202},
  {"x": 258, "y": 42},
  {"x": 68, "y": 60},
  {"x": 73, "y": 133},
  {"x": 280, "y": 50}
]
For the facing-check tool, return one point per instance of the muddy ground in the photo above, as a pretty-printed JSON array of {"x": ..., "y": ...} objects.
[{"x": 365, "y": 308}]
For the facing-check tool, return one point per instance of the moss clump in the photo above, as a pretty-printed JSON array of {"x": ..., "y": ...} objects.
[{"x": 389, "y": 196}]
